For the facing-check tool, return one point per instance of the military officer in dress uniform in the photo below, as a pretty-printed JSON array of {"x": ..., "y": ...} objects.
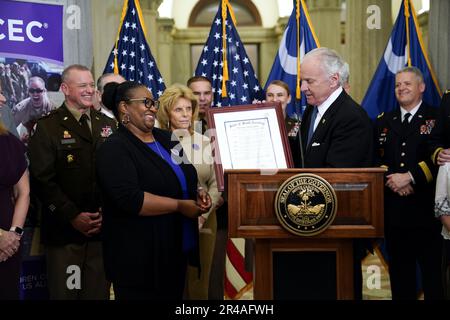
[
  {"x": 411, "y": 231},
  {"x": 62, "y": 152}
]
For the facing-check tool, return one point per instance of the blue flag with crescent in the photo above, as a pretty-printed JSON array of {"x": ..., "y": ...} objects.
[
  {"x": 399, "y": 53},
  {"x": 286, "y": 66}
]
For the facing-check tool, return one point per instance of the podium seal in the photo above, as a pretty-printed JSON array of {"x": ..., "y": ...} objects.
[{"x": 305, "y": 204}]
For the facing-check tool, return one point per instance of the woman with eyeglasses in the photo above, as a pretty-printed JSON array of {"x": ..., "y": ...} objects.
[
  {"x": 151, "y": 200},
  {"x": 177, "y": 112}
]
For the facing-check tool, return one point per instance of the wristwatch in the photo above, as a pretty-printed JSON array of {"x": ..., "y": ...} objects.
[{"x": 17, "y": 230}]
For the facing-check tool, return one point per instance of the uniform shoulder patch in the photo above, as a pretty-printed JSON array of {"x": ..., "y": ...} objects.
[{"x": 380, "y": 115}]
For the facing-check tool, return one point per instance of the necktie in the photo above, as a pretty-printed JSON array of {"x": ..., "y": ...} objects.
[
  {"x": 84, "y": 124},
  {"x": 405, "y": 122},
  {"x": 311, "y": 124}
]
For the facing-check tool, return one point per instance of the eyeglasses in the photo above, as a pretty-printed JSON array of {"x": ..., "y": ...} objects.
[
  {"x": 35, "y": 91},
  {"x": 147, "y": 102}
]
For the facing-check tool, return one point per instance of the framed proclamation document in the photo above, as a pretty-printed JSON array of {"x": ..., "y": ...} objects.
[{"x": 248, "y": 137}]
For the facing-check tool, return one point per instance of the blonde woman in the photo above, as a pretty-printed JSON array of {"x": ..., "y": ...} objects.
[
  {"x": 177, "y": 112},
  {"x": 14, "y": 201}
]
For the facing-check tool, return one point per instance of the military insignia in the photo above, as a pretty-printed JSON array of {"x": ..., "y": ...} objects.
[
  {"x": 427, "y": 127},
  {"x": 380, "y": 115},
  {"x": 294, "y": 130},
  {"x": 66, "y": 135},
  {"x": 68, "y": 141},
  {"x": 305, "y": 204},
  {"x": 106, "y": 131},
  {"x": 70, "y": 158}
]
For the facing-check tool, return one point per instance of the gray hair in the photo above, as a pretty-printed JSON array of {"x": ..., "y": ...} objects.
[
  {"x": 344, "y": 74},
  {"x": 414, "y": 70},
  {"x": 331, "y": 61}
]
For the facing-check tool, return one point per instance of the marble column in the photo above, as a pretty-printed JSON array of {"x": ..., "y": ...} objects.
[
  {"x": 439, "y": 41},
  {"x": 165, "y": 48},
  {"x": 366, "y": 36},
  {"x": 326, "y": 19},
  {"x": 150, "y": 15}
]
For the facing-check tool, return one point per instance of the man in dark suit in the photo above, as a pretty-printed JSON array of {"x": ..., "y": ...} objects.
[
  {"x": 335, "y": 132},
  {"x": 440, "y": 139},
  {"x": 412, "y": 233},
  {"x": 440, "y": 148},
  {"x": 61, "y": 155}
]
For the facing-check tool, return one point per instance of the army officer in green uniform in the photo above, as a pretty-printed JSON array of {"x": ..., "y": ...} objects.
[{"x": 61, "y": 153}]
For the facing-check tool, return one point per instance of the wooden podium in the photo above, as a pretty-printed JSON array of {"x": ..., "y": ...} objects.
[{"x": 251, "y": 195}]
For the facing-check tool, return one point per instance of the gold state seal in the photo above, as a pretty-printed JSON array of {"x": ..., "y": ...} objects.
[{"x": 305, "y": 204}]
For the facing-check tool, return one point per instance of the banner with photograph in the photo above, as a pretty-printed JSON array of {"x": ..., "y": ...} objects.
[{"x": 31, "y": 63}]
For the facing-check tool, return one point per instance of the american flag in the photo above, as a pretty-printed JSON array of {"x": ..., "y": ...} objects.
[
  {"x": 225, "y": 62},
  {"x": 233, "y": 78},
  {"x": 131, "y": 56}
]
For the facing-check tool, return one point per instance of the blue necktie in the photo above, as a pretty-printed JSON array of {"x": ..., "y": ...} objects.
[{"x": 311, "y": 125}]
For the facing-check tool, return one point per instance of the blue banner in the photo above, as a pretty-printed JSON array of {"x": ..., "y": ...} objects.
[
  {"x": 31, "y": 31},
  {"x": 285, "y": 65}
]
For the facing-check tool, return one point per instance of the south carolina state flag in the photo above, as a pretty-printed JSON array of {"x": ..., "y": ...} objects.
[
  {"x": 298, "y": 37},
  {"x": 405, "y": 48}
]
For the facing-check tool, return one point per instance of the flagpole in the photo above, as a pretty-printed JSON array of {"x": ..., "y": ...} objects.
[
  {"x": 406, "y": 13},
  {"x": 225, "y": 76},
  {"x": 298, "y": 94}
]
